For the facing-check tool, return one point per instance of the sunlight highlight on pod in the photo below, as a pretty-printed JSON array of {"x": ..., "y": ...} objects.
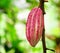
[{"x": 34, "y": 26}]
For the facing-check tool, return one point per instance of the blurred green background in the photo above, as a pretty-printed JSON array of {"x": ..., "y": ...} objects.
[{"x": 13, "y": 17}]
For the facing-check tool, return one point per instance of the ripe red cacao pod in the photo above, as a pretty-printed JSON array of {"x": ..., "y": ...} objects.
[{"x": 34, "y": 26}]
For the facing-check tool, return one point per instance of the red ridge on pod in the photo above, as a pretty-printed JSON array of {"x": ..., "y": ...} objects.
[{"x": 34, "y": 26}]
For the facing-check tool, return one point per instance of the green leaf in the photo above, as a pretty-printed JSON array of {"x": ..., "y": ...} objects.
[{"x": 5, "y": 4}]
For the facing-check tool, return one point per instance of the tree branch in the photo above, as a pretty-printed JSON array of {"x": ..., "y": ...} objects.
[
  {"x": 45, "y": 0},
  {"x": 41, "y": 5},
  {"x": 43, "y": 41}
]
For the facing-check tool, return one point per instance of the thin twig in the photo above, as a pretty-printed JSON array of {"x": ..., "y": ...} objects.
[{"x": 50, "y": 49}]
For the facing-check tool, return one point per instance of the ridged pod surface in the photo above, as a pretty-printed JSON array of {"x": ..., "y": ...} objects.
[{"x": 34, "y": 26}]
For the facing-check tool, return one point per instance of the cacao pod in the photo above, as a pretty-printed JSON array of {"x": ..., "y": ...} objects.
[{"x": 34, "y": 26}]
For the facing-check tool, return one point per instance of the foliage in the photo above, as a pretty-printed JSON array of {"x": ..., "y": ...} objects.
[
  {"x": 55, "y": 2},
  {"x": 4, "y": 4},
  {"x": 12, "y": 37}
]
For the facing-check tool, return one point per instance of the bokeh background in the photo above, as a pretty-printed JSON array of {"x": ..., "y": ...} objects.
[{"x": 13, "y": 17}]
